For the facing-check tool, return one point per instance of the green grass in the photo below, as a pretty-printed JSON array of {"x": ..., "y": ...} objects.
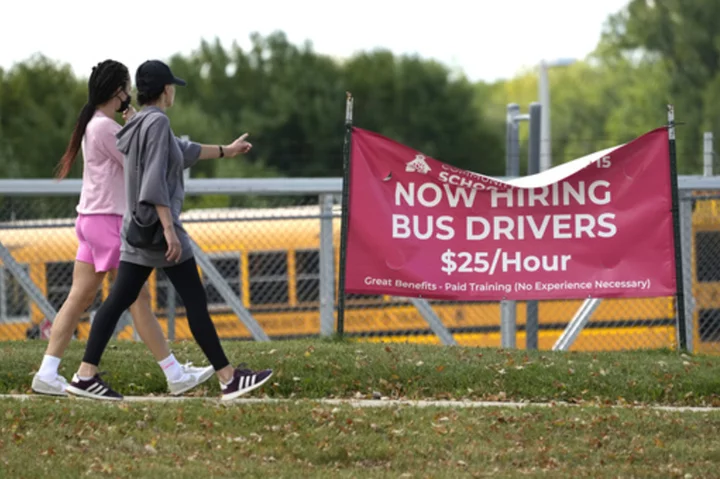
[
  {"x": 47, "y": 437},
  {"x": 77, "y": 438},
  {"x": 339, "y": 369}
]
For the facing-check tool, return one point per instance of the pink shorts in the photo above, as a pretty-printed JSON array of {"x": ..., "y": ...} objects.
[{"x": 99, "y": 238}]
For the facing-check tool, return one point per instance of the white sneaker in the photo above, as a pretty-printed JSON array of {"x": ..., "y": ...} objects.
[
  {"x": 50, "y": 387},
  {"x": 191, "y": 378}
]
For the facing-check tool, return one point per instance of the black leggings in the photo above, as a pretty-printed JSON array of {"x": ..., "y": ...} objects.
[{"x": 125, "y": 290}]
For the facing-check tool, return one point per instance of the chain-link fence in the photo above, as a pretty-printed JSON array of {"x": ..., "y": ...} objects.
[
  {"x": 274, "y": 258},
  {"x": 265, "y": 249},
  {"x": 617, "y": 324}
]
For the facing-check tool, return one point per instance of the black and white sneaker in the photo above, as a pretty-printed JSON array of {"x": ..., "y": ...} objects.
[
  {"x": 93, "y": 388},
  {"x": 244, "y": 381}
]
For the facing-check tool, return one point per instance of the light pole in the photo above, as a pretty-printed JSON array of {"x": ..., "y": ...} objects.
[{"x": 544, "y": 94}]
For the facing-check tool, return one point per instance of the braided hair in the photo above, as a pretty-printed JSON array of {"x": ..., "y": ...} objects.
[{"x": 105, "y": 79}]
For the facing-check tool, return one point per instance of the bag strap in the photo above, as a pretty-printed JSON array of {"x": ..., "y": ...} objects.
[{"x": 138, "y": 184}]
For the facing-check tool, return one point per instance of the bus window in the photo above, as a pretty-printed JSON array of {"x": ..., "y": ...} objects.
[
  {"x": 307, "y": 275},
  {"x": 709, "y": 325},
  {"x": 707, "y": 256},
  {"x": 229, "y": 268},
  {"x": 58, "y": 281},
  {"x": 268, "y": 273},
  {"x": 163, "y": 289},
  {"x": 14, "y": 302}
]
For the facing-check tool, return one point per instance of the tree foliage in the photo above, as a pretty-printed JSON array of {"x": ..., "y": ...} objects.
[
  {"x": 677, "y": 45},
  {"x": 291, "y": 99},
  {"x": 39, "y": 103}
]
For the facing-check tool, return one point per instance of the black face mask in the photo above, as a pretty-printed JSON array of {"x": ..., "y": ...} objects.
[{"x": 124, "y": 104}]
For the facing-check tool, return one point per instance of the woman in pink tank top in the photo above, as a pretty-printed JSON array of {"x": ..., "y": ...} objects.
[{"x": 102, "y": 204}]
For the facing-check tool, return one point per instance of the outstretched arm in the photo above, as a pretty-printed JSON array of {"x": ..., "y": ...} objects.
[{"x": 237, "y": 147}]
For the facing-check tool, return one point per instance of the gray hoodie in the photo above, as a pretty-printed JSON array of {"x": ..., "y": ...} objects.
[{"x": 162, "y": 157}]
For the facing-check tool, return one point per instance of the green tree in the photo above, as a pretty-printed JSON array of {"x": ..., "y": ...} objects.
[
  {"x": 291, "y": 100},
  {"x": 39, "y": 104},
  {"x": 600, "y": 102},
  {"x": 287, "y": 98},
  {"x": 683, "y": 39},
  {"x": 418, "y": 103}
]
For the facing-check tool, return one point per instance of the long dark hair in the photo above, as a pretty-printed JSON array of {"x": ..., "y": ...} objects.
[{"x": 105, "y": 79}]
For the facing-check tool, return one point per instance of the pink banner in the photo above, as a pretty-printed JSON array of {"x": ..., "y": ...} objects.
[{"x": 599, "y": 226}]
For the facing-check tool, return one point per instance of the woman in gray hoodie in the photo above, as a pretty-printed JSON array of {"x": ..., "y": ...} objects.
[{"x": 154, "y": 162}]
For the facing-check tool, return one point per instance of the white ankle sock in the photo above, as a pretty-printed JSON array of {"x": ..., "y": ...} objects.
[
  {"x": 225, "y": 384},
  {"x": 49, "y": 367},
  {"x": 171, "y": 368}
]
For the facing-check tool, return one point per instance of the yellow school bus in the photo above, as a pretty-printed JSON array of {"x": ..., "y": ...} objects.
[{"x": 270, "y": 258}]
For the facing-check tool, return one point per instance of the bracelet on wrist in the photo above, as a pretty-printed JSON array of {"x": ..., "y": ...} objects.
[{"x": 222, "y": 152}]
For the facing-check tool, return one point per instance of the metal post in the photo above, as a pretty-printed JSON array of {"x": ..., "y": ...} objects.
[
  {"x": 228, "y": 294},
  {"x": 686, "y": 235},
  {"x": 576, "y": 324},
  {"x": 327, "y": 267},
  {"x": 3, "y": 289},
  {"x": 532, "y": 321},
  {"x": 544, "y": 94},
  {"x": 708, "y": 153},
  {"x": 345, "y": 213},
  {"x": 434, "y": 321},
  {"x": 508, "y": 309},
  {"x": 679, "y": 282},
  {"x": 686, "y": 209},
  {"x": 170, "y": 308},
  {"x": 27, "y": 284}
]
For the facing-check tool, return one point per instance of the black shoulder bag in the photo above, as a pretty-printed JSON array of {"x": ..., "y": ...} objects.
[{"x": 144, "y": 236}]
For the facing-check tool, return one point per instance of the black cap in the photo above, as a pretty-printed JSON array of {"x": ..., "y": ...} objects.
[{"x": 153, "y": 75}]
